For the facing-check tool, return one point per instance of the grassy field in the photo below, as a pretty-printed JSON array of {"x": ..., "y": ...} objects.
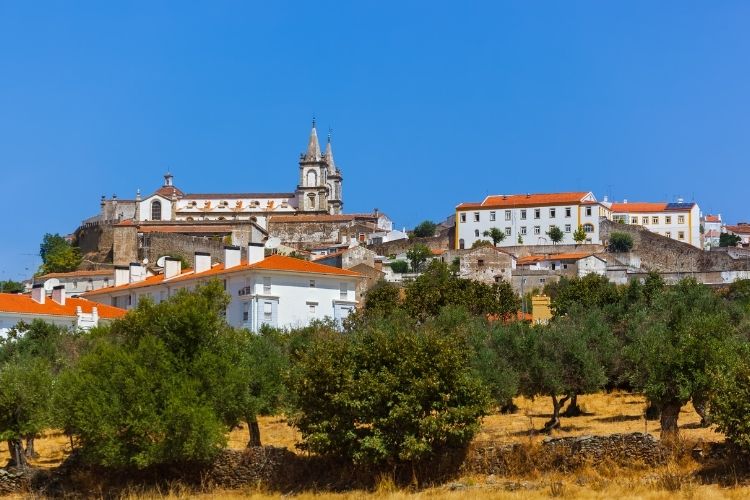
[{"x": 604, "y": 414}]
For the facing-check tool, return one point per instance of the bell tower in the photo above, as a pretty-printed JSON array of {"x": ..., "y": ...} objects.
[{"x": 312, "y": 190}]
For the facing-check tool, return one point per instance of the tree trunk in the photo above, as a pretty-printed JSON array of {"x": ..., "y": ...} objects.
[
  {"x": 554, "y": 422},
  {"x": 669, "y": 413},
  {"x": 17, "y": 456},
  {"x": 254, "y": 429},
  {"x": 30, "y": 451},
  {"x": 700, "y": 403},
  {"x": 573, "y": 410}
]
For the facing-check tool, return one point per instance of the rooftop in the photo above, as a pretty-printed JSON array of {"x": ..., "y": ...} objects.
[
  {"x": 531, "y": 200},
  {"x": 24, "y": 304},
  {"x": 649, "y": 207}
]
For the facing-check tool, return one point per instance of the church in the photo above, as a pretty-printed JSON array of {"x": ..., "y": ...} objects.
[{"x": 318, "y": 192}]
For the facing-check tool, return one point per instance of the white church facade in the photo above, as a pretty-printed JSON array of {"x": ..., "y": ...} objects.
[{"x": 319, "y": 191}]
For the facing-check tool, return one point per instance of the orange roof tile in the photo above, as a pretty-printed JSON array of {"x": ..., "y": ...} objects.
[
  {"x": 272, "y": 263},
  {"x": 527, "y": 200},
  {"x": 739, "y": 229},
  {"x": 74, "y": 274},
  {"x": 713, "y": 218},
  {"x": 558, "y": 256},
  {"x": 638, "y": 207},
  {"x": 24, "y": 304}
]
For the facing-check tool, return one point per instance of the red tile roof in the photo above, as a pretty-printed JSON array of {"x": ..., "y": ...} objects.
[
  {"x": 75, "y": 274},
  {"x": 24, "y": 304},
  {"x": 638, "y": 207},
  {"x": 740, "y": 229},
  {"x": 713, "y": 218},
  {"x": 559, "y": 256},
  {"x": 527, "y": 200},
  {"x": 272, "y": 263}
]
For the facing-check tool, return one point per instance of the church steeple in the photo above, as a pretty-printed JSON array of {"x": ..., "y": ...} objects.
[
  {"x": 313, "y": 146},
  {"x": 329, "y": 156}
]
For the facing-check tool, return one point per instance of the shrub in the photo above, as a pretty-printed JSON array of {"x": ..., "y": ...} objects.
[
  {"x": 387, "y": 393},
  {"x": 620, "y": 242},
  {"x": 400, "y": 266},
  {"x": 730, "y": 404},
  {"x": 425, "y": 229}
]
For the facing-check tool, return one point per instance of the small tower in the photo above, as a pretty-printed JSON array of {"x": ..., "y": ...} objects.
[
  {"x": 312, "y": 191},
  {"x": 335, "y": 202}
]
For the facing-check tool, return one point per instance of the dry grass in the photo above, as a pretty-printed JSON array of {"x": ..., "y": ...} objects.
[{"x": 605, "y": 414}]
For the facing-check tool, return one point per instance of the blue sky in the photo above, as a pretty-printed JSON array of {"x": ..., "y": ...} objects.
[{"x": 432, "y": 103}]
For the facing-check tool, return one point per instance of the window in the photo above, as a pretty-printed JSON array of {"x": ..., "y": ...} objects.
[
  {"x": 156, "y": 210},
  {"x": 311, "y": 307},
  {"x": 267, "y": 285},
  {"x": 507, "y": 215},
  {"x": 537, "y": 230},
  {"x": 634, "y": 220},
  {"x": 542, "y": 280},
  {"x": 480, "y": 262},
  {"x": 567, "y": 228},
  {"x": 312, "y": 283},
  {"x": 680, "y": 219},
  {"x": 267, "y": 312},
  {"x": 523, "y": 230},
  {"x": 588, "y": 228},
  {"x": 476, "y": 216},
  {"x": 523, "y": 214},
  {"x": 492, "y": 216},
  {"x": 644, "y": 220},
  {"x": 507, "y": 231},
  {"x": 667, "y": 219},
  {"x": 588, "y": 211},
  {"x": 343, "y": 291},
  {"x": 476, "y": 233},
  {"x": 463, "y": 217},
  {"x": 552, "y": 213},
  {"x": 461, "y": 244},
  {"x": 654, "y": 220},
  {"x": 537, "y": 213},
  {"x": 680, "y": 235},
  {"x": 246, "y": 312},
  {"x": 668, "y": 234},
  {"x": 567, "y": 211}
]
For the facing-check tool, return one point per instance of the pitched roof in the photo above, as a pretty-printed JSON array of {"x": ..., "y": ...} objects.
[
  {"x": 528, "y": 200},
  {"x": 24, "y": 304},
  {"x": 272, "y": 263},
  {"x": 75, "y": 274},
  {"x": 168, "y": 191},
  {"x": 531, "y": 259},
  {"x": 214, "y": 196},
  {"x": 740, "y": 228},
  {"x": 712, "y": 218},
  {"x": 648, "y": 207}
]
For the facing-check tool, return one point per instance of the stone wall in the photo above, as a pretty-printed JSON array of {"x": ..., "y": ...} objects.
[
  {"x": 125, "y": 245},
  {"x": 155, "y": 245},
  {"x": 661, "y": 254},
  {"x": 95, "y": 241},
  {"x": 483, "y": 264},
  {"x": 306, "y": 233},
  {"x": 400, "y": 246},
  {"x": 525, "y": 250}
]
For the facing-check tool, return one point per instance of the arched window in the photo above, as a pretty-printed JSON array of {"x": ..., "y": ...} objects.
[
  {"x": 312, "y": 178},
  {"x": 588, "y": 228},
  {"x": 156, "y": 210}
]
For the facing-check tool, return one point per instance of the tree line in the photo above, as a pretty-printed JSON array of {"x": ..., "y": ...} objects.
[{"x": 407, "y": 377}]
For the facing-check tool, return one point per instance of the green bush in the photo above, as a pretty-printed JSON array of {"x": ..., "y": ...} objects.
[
  {"x": 400, "y": 266},
  {"x": 620, "y": 242},
  {"x": 386, "y": 393}
]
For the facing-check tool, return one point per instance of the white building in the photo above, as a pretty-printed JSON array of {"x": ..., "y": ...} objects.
[
  {"x": 279, "y": 291},
  {"x": 525, "y": 219},
  {"x": 319, "y": 190},
  {"x": 712, "y": 226},
  {"x": 78, "y": 282},
  {"x": 576, "y": 264},
  {"x": 679, "y": 221},
  {"x": 57, "y": 309},
  {"x": 742, "y": 229}
]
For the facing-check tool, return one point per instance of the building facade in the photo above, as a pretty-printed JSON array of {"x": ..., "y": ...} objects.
[
  {"x": 712, "y": 227},
  {"x": 526, "y": 219},
  {"x": 278, "y": 291},
  {"x": 318, "y": 191},
  {"x": 679, "y": 221}
]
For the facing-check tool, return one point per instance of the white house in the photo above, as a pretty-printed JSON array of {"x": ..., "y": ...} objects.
[
  {"x": 680, "y": 220},
  {"x": 525, "y": 219},
  {"x": 577, "y": 263},
  {"x": 57, "y": 309},
  {"x": 78, "y": 282},
  {"x": 711, "y": 230},
  {"x": 279, "y": 291}
]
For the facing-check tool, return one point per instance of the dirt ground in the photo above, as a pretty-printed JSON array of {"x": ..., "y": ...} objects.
[{"x": 616, "y": 412}]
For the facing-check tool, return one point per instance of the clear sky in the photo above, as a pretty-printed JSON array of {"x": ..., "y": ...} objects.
[{"x": 432, "y": 103}]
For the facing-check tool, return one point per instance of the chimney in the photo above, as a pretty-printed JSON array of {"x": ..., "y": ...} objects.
[
  {"x": 137, "y": 272},
  {"x": 256, "y": 252},
  {"x": 38, "y": 294},
  {"x": 231, "y": 257},
  {"x": 58, "y": 294},
  {"x": 202, "y": 262},
  {"x": 172, "y": 267},
  {"x": 95, "y": 314},
  {"x": 625, "y": 200},
  {"x": 122, "y": 275},
  {"x": 606, "y": 198},
  {"x": 680, "y": 200}
]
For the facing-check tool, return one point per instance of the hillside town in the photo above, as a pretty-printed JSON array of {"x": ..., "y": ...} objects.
[{"x": 290, "y": 258}]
